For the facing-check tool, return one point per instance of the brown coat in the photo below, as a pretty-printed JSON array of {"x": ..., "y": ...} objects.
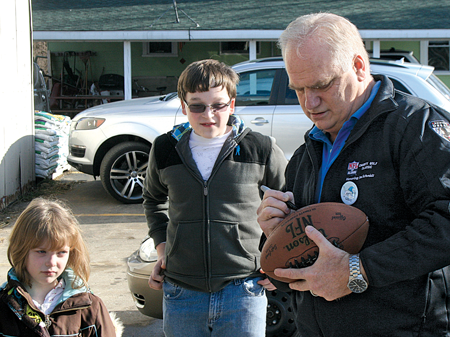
[{"x": 82, "y": 314}]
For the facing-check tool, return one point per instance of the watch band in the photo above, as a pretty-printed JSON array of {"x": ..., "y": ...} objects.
[
  {"x": 357, "y": 283},
  {"x": 354, "y": 265}
]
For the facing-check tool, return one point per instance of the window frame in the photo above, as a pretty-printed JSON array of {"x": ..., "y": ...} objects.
[
  {"x": 146, "y": 49},
  {"x": 445, "y": 44},
  {"x": 244, "y": 51}
]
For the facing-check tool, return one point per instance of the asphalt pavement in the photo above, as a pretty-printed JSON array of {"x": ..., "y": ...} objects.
[{"x": 112, "y": 231}]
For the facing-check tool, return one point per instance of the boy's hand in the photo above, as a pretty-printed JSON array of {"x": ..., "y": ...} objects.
[
  {"x": 157, "y": 276},
  {"x": 266, "y": 283}
]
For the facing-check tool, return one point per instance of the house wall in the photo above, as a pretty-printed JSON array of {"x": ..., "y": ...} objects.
[
  {"x": 108, "y": 58},
  {"x": 16, "y": 92}
]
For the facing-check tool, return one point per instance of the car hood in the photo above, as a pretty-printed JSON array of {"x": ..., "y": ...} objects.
[{"x": 153, "y": 104}]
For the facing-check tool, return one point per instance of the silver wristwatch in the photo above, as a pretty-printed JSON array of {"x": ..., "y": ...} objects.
[{"x": 356, "y": 282}]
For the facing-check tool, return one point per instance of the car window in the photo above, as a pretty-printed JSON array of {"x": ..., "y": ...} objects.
[
  {"x": 291, "y": 97},
  {"x": 399, "y": 86},
  {"x": 255, "y": 87},
  {"x": 439, "y": 85}
]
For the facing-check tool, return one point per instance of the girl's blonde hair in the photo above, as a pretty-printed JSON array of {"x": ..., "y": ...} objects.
[{"x": 49, "y": 221}]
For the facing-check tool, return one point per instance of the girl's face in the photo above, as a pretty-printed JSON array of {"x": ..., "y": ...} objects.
[{"x": 45, "y": 266}]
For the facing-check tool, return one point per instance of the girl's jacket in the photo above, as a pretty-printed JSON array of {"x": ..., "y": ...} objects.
[{"x": 78, "y": 313}]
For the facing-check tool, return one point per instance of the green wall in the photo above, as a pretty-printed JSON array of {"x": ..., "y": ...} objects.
[{"x": 109, "y": 57}]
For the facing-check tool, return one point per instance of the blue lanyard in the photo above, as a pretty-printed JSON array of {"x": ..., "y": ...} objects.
[{"x": 332, "y": 150}]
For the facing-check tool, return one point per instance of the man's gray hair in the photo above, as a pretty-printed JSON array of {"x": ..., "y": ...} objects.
[{"x": 339, "y": 34}]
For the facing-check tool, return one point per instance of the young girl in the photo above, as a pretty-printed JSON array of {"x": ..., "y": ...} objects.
[{"x": 47, "y": 293}]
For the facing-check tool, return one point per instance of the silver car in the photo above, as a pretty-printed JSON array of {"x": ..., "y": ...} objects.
[{"x": 113, "y": 140}]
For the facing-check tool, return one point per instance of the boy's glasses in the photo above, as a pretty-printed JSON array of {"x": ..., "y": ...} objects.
[{"x": 199, "y": 108}]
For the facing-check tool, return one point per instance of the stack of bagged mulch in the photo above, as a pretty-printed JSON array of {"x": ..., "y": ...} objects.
[{"x": 51, "y": 143}]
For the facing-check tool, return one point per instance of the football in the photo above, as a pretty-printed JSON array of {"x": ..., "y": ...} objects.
[{"x": 288, "y": 246}]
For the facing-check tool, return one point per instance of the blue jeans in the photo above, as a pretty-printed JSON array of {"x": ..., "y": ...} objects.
[{"x": 237, "y": 310}]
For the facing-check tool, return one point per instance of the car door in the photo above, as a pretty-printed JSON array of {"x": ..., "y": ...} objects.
[
  {"x": 266, "y": 104},
  {"x": 255, "y": 101},
  {"x": 289, "y": 122}
]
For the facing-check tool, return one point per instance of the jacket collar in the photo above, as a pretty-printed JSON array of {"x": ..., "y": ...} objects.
[
  {"x": 384, "y": 102},
  {"x": 69, "y": 278},
  {"x": 237, "y": 128}
]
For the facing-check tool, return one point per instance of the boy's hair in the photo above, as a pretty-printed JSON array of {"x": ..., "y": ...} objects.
[
  {"x": 206, "y": 74},
  {"x": 48, "y": 221}
]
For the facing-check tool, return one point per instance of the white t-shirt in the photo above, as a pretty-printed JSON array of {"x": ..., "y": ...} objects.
[{"x": 205, "y": 152}]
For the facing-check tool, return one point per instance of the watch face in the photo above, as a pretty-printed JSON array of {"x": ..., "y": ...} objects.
[{"x": 357, "y": 285}]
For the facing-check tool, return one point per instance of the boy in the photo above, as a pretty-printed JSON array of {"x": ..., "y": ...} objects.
[{"x": 201, "y": 194}]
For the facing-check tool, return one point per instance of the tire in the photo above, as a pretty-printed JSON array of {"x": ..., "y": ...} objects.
[
  {"x": 280, "y": 315},
  {"x": 123, "y": 170}
]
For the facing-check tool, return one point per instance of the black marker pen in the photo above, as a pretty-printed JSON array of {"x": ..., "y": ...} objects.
[{"x": 289, "y": 204}]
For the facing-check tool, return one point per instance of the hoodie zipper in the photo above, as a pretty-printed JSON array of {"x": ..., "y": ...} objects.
[
  {"x": 207, "y": 221},
  {"x": 205, "y": 186}
]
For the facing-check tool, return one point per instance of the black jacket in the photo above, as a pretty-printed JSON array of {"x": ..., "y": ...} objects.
[
  {"x": 210, "y": 227},
  {"x": 401, "y": 167}
]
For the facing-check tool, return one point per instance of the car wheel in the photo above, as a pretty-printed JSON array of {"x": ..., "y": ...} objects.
[
  {"x": 280, "y": 315},
  {"x": 123, "y": 171}
]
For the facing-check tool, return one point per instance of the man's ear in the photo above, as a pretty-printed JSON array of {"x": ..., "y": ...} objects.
[{"x": 360, "y": 67}]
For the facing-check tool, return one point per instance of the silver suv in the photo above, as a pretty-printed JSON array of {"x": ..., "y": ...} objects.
[{"x": 113, "y": 140}]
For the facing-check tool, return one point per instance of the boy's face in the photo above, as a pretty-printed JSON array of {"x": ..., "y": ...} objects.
[{"x": 209, "y": 124}]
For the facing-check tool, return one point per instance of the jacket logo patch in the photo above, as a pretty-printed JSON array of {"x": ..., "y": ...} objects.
[
  {"x": 442, "y": 128},
  {"x": 352, "y": 167}
]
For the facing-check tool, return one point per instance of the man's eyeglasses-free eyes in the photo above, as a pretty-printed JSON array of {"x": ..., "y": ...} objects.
[{"x": 199, "y": 108}]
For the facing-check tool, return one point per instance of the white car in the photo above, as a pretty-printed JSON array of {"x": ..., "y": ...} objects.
[{"x": 113, "y": 140}]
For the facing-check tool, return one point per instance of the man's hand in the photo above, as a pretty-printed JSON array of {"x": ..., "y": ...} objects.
[
  {"x": 273, "y": 209},
  {"x": 328, "y": 276},
  {"x": 157, "y": 276}
]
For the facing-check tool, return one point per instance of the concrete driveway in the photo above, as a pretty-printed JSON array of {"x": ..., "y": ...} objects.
[{"x": 112, "y": 231}]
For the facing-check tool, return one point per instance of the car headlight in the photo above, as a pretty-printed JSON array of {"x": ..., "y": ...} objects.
[
  {"x": 147, "y": 251},
  {"x": 89, "y": 123}
]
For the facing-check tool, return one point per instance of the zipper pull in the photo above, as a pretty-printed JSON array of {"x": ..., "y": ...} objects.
[
  {"x": 48, "y": 322},
  {"x": 205, "y": 190}
]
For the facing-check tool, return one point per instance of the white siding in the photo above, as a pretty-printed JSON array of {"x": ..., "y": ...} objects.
[{"x": 16, "y": 95}]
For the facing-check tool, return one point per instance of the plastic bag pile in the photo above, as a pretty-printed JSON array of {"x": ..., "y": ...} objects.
[{"x": 51, "y": 143}]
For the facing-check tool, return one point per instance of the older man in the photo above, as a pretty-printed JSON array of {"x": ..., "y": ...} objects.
[{"x": 381, "y": 151}]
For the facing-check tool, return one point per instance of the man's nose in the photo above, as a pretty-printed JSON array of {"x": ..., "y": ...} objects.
[{"x": 312, "y": 99}]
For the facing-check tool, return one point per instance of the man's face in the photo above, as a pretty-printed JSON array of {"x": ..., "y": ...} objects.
[{"x": 327, "y": 95}]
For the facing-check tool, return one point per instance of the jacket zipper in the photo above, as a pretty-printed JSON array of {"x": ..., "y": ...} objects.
[
  {"x": 207, "y": 219},
  {"x": 205, "y": 201},
  {"x": 207, "y": 235}
]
